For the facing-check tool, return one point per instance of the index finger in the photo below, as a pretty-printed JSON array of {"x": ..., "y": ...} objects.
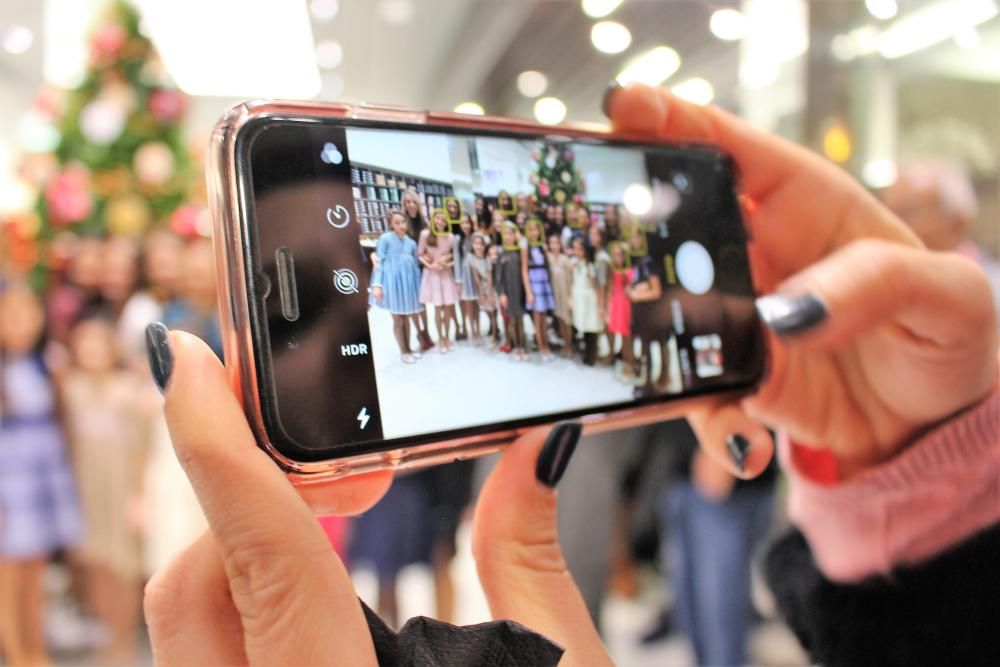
[{"x": 293, "y": 594}]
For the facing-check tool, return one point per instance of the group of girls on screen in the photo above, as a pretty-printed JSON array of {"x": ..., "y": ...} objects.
[{"x": 504, "y": 261}]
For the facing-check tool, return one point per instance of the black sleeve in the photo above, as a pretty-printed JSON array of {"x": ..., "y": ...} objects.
[
  {"x": 425, "y": 642},
  {"x": 945, "y": 611}
]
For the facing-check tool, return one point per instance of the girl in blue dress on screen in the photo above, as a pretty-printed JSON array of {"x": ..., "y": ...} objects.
[
  {"x": 396, "y": 281},
  {"x": 541, "y": 299}
]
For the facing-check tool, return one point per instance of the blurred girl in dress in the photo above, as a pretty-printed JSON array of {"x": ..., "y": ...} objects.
[
  {"x": 538, "y": 284},
  {"x": 162, "y": 252},
  {"x": 39, "y": 509},
  {"x": 437, "y": 285},
  {"x": 468, "y": 294},
  {"x": 482, "y": 274},
  {"x": 104, "y": 428},
  {"x": 560, "y": 272},
  {"x": 586, "y": 304},
  {"x": 602, "y": 265},
  {"x": 620, "y": 307},
  {"x": 460, "y": 250},
  {"x": 510, "y": 289},
  {"x": 396, "y": 282},
  {"x": 416, "y": 224}
]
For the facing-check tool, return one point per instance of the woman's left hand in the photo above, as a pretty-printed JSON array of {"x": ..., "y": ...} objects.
[{"x": 265, "y": 587}]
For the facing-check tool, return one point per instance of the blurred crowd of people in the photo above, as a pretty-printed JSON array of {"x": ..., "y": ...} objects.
[{"x": 87, "y": 473}]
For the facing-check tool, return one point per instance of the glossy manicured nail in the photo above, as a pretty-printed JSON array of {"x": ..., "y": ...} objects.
[
  {"x": 609, "y": 92},
  {"x": 556, "y": 452},
  {"x": 737, "y": 446},
  {"x": 790, "y": 315},
  {"x": 161, "y": 359}
]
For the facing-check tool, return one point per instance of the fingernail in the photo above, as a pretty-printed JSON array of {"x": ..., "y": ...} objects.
[
  {"x": 161, "y": 359},
  {"x": 609, "y": 92},
  {"x": 737, "y": 446},
  {"x": 790, "y": 315},
  {"x": 556, "y": 452}
]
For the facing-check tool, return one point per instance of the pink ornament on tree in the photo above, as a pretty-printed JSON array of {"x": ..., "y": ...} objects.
[
  {"x": 167, "y": 106},
  {"x": 543, "y": 188},
  {"x": 568, "y": 155},
  {"x": 184, "y": 221},
  {"x": 108, "y": 41},
  {"x": 67, "y": 197}
]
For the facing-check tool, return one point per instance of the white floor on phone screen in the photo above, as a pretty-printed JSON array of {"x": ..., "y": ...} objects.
[{"x": 473, "y": 385}]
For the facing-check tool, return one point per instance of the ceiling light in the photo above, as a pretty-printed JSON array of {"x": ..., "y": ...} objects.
[
  {"x": 728, "y": 24},
  {"x": 550, "y": 110},
  {"x": 329, "y": 54},
  {"x": 17, "y": 39},
  {"x": 324, "y": 10},
  {"x": 756, "y": 74},
  {"x": 695, "y": 90},
  {"x": 199, "y": 56},
  {"x": 471, "y": 108},
  {"x": 933, "y": 24},
  {"x": 880, "y": 173},
  {"x": 651, "y": 68},
  {"x": 532, "y": 83},
  {"x": 882, "y": 9},
  {"x": 638, "y": 199},
  {"x": 610, "y": 37},
  {"x": 598, "y": 9},
  {"x": 967, "y": 38},
  {"x": 396, "y": 12}
]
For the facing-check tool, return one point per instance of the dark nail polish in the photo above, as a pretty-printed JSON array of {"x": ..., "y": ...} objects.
[
  {"x": 161, "y": 359},
  {"x": 737, "y": 446},
  {"x": 790, "y": 315},
  {"x": 556, "y": 452},
  {"x": 609, "y": 92}
]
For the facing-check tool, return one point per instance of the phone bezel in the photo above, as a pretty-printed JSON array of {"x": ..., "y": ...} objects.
[{"x": 233, "y": 214}]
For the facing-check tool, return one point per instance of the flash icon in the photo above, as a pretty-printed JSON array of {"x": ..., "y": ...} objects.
[{"x": 363, "y": 418}]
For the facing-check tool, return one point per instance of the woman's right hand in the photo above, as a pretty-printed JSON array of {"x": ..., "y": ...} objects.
[
  {"x": 874, "y": 339},
  {"x": 377, "y": 293}
]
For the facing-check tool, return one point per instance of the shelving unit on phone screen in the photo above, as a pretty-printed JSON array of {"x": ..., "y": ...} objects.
[{"x": 376, "y": 191}]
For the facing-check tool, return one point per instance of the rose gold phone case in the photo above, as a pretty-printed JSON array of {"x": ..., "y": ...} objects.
[{"x": 228, "y": 205}]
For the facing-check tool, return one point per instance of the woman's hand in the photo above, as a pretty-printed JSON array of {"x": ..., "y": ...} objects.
[
  {"x": 264, "y": 586},
  {"x": 874, "y": 339},
  {"x": 516, "y": 545},
  {"x": 377, "y": 293},
  {"x": 503, "y": 301}
]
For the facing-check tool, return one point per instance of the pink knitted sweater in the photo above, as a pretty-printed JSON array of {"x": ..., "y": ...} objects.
[{"x": 940, "y": 490}]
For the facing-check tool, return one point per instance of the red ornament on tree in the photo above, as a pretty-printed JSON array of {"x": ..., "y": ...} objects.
[
  {"x": 543, "y": 188},
  {"x": 167, "y": 106},
  {"x": 68, "y": 198}
]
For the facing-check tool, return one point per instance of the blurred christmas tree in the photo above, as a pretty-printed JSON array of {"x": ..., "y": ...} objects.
[
  {"x": 121, "y": 164},
  {"x": 555, "y": 179}
]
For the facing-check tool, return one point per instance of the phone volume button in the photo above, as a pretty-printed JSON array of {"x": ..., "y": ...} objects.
[{"x": 387, "y": 112}]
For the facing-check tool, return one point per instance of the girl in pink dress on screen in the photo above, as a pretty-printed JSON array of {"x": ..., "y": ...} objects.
[
  {"x": 619, "y": 305},
  {"x": 437, "y": 285}
]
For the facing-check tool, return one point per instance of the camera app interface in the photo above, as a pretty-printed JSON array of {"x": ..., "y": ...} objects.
[{"x": 421, "y": 282}]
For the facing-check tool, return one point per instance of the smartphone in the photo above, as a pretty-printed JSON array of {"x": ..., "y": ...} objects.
[{"x": 634, "y": 253}]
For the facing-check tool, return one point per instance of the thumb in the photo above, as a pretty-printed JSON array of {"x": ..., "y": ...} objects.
[
  {"x": 516, "y": 545},
  {"x": 940, "y": 298}
]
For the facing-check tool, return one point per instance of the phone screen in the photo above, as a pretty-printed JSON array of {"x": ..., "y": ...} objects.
[{"x": 368, "y": 242}]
